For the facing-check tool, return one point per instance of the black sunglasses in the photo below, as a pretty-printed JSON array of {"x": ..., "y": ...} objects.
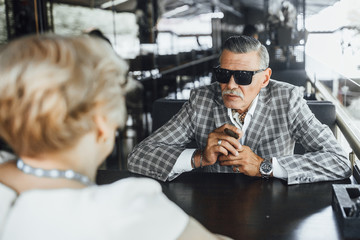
[{"x": 241, "y": 77}]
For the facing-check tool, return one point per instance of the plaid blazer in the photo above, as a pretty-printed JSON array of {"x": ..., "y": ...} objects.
[{"x": 281, "y": 118}]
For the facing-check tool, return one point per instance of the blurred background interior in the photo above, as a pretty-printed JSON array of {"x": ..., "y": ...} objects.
[{"x": 172, "y": 45}]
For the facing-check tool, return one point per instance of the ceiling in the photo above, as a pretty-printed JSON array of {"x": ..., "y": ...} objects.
[{"x": 196, "y": 7}]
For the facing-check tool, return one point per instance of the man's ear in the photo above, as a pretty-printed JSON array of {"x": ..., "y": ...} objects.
[{"x": 267, "y": 74}]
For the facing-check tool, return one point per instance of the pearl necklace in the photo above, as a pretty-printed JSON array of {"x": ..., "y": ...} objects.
[{"x": 53, "y": 173}]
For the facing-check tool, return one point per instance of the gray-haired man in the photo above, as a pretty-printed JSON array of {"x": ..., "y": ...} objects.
[{"x": 275, "y": 117}]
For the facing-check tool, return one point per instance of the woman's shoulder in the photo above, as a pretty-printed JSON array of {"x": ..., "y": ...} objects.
[
  {"x": 6, "y": 192},
  {"x": 8, "y": 196}
]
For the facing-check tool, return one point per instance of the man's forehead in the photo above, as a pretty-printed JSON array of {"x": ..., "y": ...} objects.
[{"x": 232, "y": 58}]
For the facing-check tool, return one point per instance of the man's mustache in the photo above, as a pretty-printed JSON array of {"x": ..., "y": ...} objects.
[{"x": 233, "y": 92}]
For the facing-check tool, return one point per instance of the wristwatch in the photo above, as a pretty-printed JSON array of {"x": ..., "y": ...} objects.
[{"x": 266, "y": 168}]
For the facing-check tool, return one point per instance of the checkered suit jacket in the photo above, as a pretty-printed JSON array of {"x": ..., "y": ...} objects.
[{"x": 281, "y": 118}]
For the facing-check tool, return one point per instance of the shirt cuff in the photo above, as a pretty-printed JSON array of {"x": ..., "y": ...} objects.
[
  {"x": 183, "y": 162},
  {"x": 278, "y": 170}
]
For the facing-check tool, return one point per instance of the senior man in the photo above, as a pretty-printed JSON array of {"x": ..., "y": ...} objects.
[{"x": 268, "y": 116}]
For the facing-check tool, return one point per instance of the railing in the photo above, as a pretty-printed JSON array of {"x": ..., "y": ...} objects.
[
  {"x": 344, "y": 121},
  {"x": 344, "y": 92}
]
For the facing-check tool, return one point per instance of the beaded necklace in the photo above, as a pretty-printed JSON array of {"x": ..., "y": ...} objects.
[{"x": 53, "y": 173}]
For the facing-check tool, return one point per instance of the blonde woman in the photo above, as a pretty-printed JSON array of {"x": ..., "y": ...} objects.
[{"x": 61, "y": 102}]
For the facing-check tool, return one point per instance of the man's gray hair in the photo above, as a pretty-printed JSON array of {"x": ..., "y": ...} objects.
[{"x": 245, "y": 44}]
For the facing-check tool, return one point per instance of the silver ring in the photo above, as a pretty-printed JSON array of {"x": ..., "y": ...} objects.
[
  {"x": 219, "y": 142},
  {"x": 237, "y": 169}
]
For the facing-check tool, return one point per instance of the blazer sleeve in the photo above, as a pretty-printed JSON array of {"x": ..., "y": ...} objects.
[
  {"x": 156, "y": 155},
  {"x": 324, "y": 159}
]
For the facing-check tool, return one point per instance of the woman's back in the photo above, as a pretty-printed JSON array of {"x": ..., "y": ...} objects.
[{"x": 134, "y": 208}]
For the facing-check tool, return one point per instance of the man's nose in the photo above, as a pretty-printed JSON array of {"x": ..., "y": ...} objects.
[{"x": 232, "y": 84}]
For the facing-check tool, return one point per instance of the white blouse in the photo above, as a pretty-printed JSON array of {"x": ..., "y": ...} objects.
[{"x": 132, "y": 208}]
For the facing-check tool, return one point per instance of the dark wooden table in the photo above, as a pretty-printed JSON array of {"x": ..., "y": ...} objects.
[{"x": 251, "y": 208}]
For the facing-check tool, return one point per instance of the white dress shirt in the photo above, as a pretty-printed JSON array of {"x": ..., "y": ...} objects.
[{"x": 183, "y": 163}]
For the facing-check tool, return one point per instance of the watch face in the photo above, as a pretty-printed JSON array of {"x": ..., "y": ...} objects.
[{"x": 266, "y": 168}]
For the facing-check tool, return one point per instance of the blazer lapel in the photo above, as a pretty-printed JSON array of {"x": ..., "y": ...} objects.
[
  {"x": 258, "y": 121},
  {"x": 220, "y": 111}
]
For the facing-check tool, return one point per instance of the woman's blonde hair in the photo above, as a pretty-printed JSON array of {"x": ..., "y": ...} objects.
[{"x": 50, "y": 88}]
